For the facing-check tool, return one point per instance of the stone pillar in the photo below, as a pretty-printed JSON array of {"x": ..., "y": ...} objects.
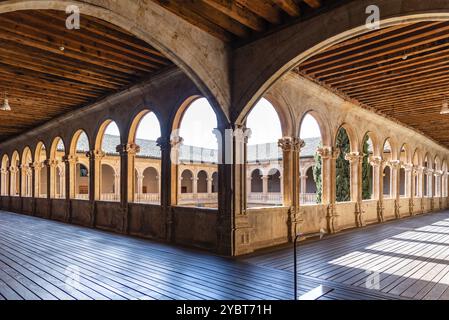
[
  {"x": 377, "y": 163},
  {"x": 396, "y": 194},
  {"x": 175, "y": 146},
  {"x": 329, "y": 156},
  {"x": 234, "y": 230},
  {"x": 139, "y": 187},
  {"x": 209, "y": 185},
  {"x": 291, "y": 147},
  {"x": 265, "y": 187},
  {"x": 168, "y": 173},
  {"x": 94, "y": 157},
  {"x": 437, "y": 193},
  {"x": 355, "y": 160},
  {"x": 70, "y": 179},
  {"x": 409, "y": 188},
  {"x": 124, "y": 180},
  {"x": 49, "y": 164}
]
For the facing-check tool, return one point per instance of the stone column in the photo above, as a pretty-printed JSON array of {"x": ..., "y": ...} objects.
[
  {"x": 396, "y": 194},
  {"x": 431, "y": 188},
  {"x": 168, "y": 173},
  {"x": 209, "y": 185},
  {"x": 94, "y": 157},
  {"x": 409, "y": 189},
  {"x": 265, "y": 187},
  {"x": 329, "y": 156},
  {"x": 175, "y": 146},
  {"x": 125, "y": 180},
  {"x": 291, "y": 147},
  {"x": 139, "y": 187},
  {"x": 437, "y": 193},
  {"x": 377, "y": 163},
  {"x": 355, "y": 160},
  {"x": 234, "y": 230},
  {"x": 70, "y": 180}
]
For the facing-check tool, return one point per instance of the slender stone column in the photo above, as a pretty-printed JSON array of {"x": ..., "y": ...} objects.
[
  {"x": 291, "y": 148},
  {"x": 209, "y": 185},
  {"x": 168, "y": 173},
  {"x": 265, "y": 187},
  {"x": 377, "y": 163},
  {"x": 409, "y": 189},
  {"x": 174, "y": 155},
  {"x": 329, "y": 157},
  {"x": 94, "y": 157},
  {"x": 437, "y": 193},
  {"x": 139, "y": 187},
  {"x": 355, "y": 160},
  {"x": 70, "y": 179},
  {"x": 125, "y": 180}
]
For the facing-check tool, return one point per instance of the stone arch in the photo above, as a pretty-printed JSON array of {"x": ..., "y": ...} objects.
[
  {"x": 40, "y": 168},
  {"x": 374, "y": 140},
  {"x": 135, "y": 123},
  {"x": 186, "y": 182},
  {"x": 5, "y": 175},
  {"x": 14, "y": 175},
  {"x": 342, "y": 23},
  {"x": 101, "y": 132},
  {"x": 79, "y": 166},
  {"x": 284, "y": 111},
  {"x": 256, "y": 181},
  {"x": 274, "y": 180},
  {"x": 75, "y": 139},
  {"x": 404, "y": 154},
  {"x": 202, "y": 181},
  {"x": 57, "y": 168},
  {"x": 323, "y": 124},
  {"x": 27, "y": 181},
  {"x": 151, "y": 179},
  {"x": 353, "y": 141},
  {"x": 108, "y": 183}
]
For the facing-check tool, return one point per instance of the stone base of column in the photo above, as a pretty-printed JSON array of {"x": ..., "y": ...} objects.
[
  {"x": 380, "y": 211},
  {"x": 92, "y": 215},
  {"x": 359, "y": 219},
  {"x": 397, "y": 208},
  {"x": 294, "y": 223},
  {"x": 411, "y": 206},
  {"x": 242, "y": 236},
  {"x": 332, "y": 219}
]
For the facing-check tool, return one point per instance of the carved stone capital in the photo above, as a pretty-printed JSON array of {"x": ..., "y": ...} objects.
[
  {"x": 375, "y": 161},
  {"x": 291, "y": 144},
  {"x": 71, "y": 159},
  {"x": 354, "y": 157},
  {"x": 163, "y": 143},
  {"x": 176, "y": 141},
  {"x": 95, "y": 154},
  {"x": 438, "y": 173},
  {"x": 328, "y": 152},
  {"x": 395, "y": 164},
  {"x": 242, "y": 134},
  {"x": 407, "y": 167},
  {"x": 128, "y": 148}
]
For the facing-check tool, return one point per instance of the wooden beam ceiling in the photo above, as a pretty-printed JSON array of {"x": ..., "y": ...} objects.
[
  {"x": 232, "y": 20},
  {"x": 48, "y": 70},
  {"x": 400, "y": 71}
]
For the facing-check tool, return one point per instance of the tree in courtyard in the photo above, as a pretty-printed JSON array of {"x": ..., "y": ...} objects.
[{"x": 343, "y": 192}]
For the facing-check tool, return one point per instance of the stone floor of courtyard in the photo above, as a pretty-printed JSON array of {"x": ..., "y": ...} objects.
[{"x": 43, "y": 259}]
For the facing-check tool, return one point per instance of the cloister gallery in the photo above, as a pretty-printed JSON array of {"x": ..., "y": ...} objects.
[{"x": 229, "y": 126}]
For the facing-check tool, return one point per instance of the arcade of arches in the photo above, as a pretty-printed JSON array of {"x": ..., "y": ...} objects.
[{"x": 123, "y": 162}]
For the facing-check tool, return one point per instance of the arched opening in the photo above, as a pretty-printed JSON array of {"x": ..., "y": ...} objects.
[
  {"x": 108, "y": 183},
  {"x": 256, "y": 181},
  {"x": 202, "y": 182},
  {"x": 57, "y": 169},
  {"x": 387, "y": 179},
  {"x": 444, "y": 179},
  {"x": 40, "y": 171},
  {"x": 197, "y": 149},
  {"x": 274, "y": 181},
  {"x": 144, "y": 133},
  {"x": 15, "y": 176},
  {"x": 5, "y": 176},
  {"x": 404, "y": 176},
  {"x": 343, "y": 175},
  {"x": 27, "y": 173},
  {"x": 427, "y": 185},
  {"x": 79, "y": 180},
  {"x": 215, "y": 182},
  {"x": 310, "y": 163},
  {"x": 367, "y": 168},
  {"x": 263, "y": 153},
  {"x": 417, "y": 186},
  {"x": 108, "y": 161},
  {"x": 437, "y": 177},
  {"x": 186, "y": 182}
]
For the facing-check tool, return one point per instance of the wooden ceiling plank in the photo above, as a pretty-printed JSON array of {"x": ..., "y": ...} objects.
[
  {"x": 380, "y": 51},
  {"x": 238, "y": 13},
  {"x": 264, "y": 9},
  {"x": 313, "y": 3},
  {"x": 196, "y": 20},
  {"x": 289, "y": 6},
  {"x": 86, "y": 38}
]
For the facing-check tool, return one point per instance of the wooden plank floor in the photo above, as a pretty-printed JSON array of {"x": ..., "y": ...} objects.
[
  {"x": 43, "y": 259},
  {"x": 407, "y": 258}
]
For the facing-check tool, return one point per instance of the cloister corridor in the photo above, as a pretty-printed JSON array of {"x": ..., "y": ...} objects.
[{"x": 411, "y": 257}]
